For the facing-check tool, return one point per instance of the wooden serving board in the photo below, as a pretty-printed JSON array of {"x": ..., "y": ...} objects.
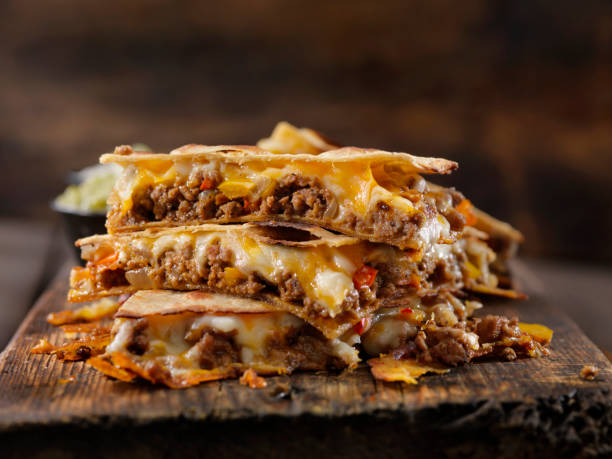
[{"x": 523, "y": 408}]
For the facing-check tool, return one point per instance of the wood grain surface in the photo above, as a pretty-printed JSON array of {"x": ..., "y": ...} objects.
[{"x": 526, "y": 407}]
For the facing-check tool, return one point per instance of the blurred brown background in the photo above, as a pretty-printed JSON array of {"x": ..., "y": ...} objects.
[{"x": 520, "y": 93}]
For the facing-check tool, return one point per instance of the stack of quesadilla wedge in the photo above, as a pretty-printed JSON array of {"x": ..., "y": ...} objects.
[{"x": 295, "y": 255}]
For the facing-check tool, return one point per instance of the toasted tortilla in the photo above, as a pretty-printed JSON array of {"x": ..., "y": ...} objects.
[
  {"x": 163, "y": 302},
  {"x": 275, "y": 233},
  {"x": 242, "y": 154},
  {"x": 288, "y": 138}
]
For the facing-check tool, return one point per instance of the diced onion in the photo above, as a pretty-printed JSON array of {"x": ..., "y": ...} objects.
[{"x": 139, "y": 279}]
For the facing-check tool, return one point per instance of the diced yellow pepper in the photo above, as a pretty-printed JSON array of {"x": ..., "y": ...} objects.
[
  {"x": 386, "y": 368},
  {"x": 236, "y": 189},
  {"x": 473, "y": 271},
  {"x": 540, "y": 333},
  {"x": 232, "y": 276}
]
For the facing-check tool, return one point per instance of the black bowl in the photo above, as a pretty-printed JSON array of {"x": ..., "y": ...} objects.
[{"x": 79, "y": 224}]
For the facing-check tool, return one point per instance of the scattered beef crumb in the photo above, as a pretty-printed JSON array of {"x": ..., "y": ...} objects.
[
  {"x": 251, "y": 379},
  {"x": 589, "y": 372}
]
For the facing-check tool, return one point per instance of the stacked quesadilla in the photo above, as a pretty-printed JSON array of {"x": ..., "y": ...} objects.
[{"x": 295, "y": 255}]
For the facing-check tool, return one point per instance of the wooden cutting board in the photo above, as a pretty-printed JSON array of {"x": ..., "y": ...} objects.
[{"x": 523, "y": 408}]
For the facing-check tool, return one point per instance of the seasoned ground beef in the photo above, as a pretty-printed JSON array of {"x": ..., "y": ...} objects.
[
  {"x": 304, "y": 349},
  {"x": 293, "y": 195},
  {"x": 217, "y": 349},
  {"x": 138, "y": 343},
  {"x": 496, "y": 328},
  {"x": 178, "y": 270},
  {"x": 468, "y": 340},
  {"x": 111, "y": 278},
  {"x": 290, "y": 288}
]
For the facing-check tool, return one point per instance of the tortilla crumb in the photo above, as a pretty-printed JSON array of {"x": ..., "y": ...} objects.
[
  {"x": 43, "y": 347},
  {"x": 589, "y": 372}
]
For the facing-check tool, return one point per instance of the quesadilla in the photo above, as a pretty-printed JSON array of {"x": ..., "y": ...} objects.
[
  {"x": 329, "y": 280},
  {"x": 370, "y": 194},
  {"x": 184, "y": 338}
]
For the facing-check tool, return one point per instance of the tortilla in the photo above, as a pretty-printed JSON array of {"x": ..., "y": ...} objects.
[
  {"x": 163, "y": 302},
  {"x": 243, "y": 154}
]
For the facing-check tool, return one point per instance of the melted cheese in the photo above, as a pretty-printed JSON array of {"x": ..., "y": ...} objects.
[
  {"x": 127, "y": 182},
  {"x": 332, "y": 288},
  {"x": 433, "y": 231},
  {"x": 166, "y": 336},
  {"x": 171, "y": 242},
  {"x": 324, "y": 273},
  {"x": 387, "y": 334},
  {"x": 251, "y": 331}
]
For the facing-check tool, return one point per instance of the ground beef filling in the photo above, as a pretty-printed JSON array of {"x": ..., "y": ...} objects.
[
  {"x": 178, "y": 270},
  {"x": 493, "y": 336},
  {"x": 293, "y": 196},
  {"x": 182, "y": 203},
  {"x": 299, "y": 349},
  {"x": 138, "y": 343},
  {"x": 215, "y": 348}
]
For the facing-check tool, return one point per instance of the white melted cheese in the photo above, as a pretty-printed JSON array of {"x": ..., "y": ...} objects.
[
  {"x": 251, "y": 332},
  {"x": 171, "y": 242},
  {"x": 324, "y": 273},
  {"x": 202, "y": 241},
  {"x": 345, "y": 352},
  {"x": 125, "y": 186},
  {"x": 387, "y": 334},
  {"x": 440, "y": 251},
  {"x": 343, "y": 263},
  {"x": 332, "y": 288},
  {"x": 433, "y": 231},
  {"x": 123, "y": 330},
  {"x": 166, "y": 337}
]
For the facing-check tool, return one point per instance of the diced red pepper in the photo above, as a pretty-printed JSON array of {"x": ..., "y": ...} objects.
[
  {"x": 250, "y": 205},
  {"x": 364, "y": 276},
  {"x": 406, "y": 311},
  {"x": 207, "y": 184},
  {"x": 465, "y": 208},
  {"x": 362, "y": 326}
]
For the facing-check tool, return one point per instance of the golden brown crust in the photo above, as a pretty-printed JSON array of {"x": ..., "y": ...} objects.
[
  {"x": 287, "y": 138},
  {"x": 496, "y": 228},
  {"x": 316, "y": 236},
  {"x": 165, "y": 302},
  {"x": 242, "y": 154}
]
